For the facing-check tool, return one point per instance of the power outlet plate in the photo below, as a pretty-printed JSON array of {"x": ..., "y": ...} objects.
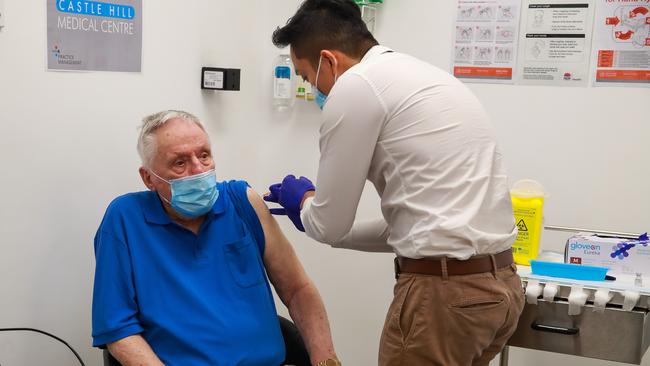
[{"x": 217, "y": 78}]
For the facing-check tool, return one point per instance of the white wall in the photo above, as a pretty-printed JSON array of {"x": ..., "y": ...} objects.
[{"x": 67, "y": 147}]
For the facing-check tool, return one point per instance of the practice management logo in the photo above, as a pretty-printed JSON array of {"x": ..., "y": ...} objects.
[
  {"x": 96, "y": 8},
  {"x": 62, "y": 58}
]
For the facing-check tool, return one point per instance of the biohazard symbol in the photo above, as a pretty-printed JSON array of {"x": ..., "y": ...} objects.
[{"x": 521, "y": 225}]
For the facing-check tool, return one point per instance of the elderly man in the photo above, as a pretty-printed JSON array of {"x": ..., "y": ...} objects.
[{"x": 180, "y": 276}]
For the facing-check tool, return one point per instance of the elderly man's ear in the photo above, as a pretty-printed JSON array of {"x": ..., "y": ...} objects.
[{"x": 146, "y": 178}]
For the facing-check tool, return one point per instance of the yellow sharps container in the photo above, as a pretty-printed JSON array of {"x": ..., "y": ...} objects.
[{"x": 527, "y": 203}]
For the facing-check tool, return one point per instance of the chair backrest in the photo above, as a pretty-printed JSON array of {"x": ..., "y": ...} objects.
[
  {"x": 109, "y": 360},
  {"x": 293, "y": 343}
]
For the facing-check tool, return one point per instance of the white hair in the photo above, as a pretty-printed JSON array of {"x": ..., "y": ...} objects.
[{"x": 147, "y": 139}]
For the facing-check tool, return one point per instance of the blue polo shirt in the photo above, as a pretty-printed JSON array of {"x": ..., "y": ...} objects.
[{"x": 196, "y": 299}]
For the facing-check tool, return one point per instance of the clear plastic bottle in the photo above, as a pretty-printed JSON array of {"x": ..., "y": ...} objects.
[{"x": 284, "y": 83}]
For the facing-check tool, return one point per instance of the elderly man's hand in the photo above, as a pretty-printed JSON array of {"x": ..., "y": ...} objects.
[{"x": 290, "y": 194}]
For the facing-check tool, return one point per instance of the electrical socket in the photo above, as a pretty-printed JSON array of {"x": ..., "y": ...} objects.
[{"x": 217, "y": 78}]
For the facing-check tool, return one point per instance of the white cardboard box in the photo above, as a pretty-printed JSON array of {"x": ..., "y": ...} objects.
[{"x": 621, "y": 256}]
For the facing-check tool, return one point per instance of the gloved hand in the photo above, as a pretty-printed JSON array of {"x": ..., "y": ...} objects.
[
  {"x": 289, "y": 195},
  {"x": 274, "y": 196}
]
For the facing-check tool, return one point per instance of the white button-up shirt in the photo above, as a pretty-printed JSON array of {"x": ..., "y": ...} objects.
[{"x": 426, "y": 143}]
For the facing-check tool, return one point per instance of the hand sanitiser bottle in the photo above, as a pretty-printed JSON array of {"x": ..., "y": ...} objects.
[
  {"x": 283, "y": 83},
  {"x": 527, "y": 203}
]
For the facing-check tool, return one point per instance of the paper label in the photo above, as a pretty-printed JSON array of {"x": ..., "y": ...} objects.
[{"x": 213, "y": 79}]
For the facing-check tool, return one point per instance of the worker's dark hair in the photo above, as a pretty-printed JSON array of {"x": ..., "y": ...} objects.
[{"x": 325, "y": 24}]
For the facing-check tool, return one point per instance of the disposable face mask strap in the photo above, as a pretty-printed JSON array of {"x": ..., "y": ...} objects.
[
  {"x": 157, "y": 176},
  {"x": 191, "y": 177},
  {"x": 164, "y": 180},
  {"x": 320, "y": 59},
  {"x": 164, "y": 199}
]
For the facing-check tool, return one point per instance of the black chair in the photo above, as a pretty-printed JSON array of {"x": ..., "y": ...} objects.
[
  {"x": 109, "y": 360},
  {"x": 296, "y": 352},
  {"x": 295, "y": 347}
]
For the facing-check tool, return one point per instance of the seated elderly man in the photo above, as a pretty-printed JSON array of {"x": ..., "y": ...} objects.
[{"x": 181, "y": 268}]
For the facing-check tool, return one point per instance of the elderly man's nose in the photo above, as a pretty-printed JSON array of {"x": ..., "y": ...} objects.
[{"x": 196, "y": 166}]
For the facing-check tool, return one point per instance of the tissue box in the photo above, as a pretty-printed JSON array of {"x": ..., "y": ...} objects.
[{"x": 621, "y": 256}]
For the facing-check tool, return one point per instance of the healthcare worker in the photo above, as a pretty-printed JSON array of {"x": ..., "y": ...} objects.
[{"x": 426, "y": 143}]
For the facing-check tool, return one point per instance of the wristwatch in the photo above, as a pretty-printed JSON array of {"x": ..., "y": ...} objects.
[{"x": 330, "y": 362}]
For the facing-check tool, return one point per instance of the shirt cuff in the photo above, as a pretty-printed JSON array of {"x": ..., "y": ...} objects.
[
  {"x": 306, "y": 206},
  {"x": 116, "y": 335}
]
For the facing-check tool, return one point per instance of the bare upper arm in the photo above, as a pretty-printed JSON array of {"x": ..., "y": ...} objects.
[{"x": 282, "y": 265}]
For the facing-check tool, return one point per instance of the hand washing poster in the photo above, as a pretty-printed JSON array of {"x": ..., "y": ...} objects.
[
  {"x": 555, "y": 42},
  {"x": 94, "y": 36},
  {"x": 485, "y": 40},
  {"x": 622, "y": 43}
]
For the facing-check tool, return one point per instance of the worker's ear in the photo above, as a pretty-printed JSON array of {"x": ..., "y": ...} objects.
[
  {"x": 147, "y": 179},
  {"x": 330, "y": 58}
]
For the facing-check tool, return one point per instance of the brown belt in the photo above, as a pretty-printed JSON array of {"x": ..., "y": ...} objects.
[{"x": 455, "y": 267}]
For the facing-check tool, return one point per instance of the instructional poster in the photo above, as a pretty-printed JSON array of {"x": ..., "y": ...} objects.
[
  {"x": 555, "y": 45},
  {"x": 485, "y": 40},
  {"x": 93, "y": 35},
  {"x": 622, "y": 43}
]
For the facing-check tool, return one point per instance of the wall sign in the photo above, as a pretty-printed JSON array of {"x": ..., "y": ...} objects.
[{"x": 94, "y": 35}]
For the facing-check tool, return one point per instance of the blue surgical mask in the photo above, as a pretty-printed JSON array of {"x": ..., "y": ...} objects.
[
  {"x": 320, "y": 98},
  {"x": 193, "y": 196}
]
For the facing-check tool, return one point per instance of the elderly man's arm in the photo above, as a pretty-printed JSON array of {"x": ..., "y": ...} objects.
[
  {"x": 115, "y": 310},
  {"x": 134, "y": 351},
  {"x": 293, "y": 286}
]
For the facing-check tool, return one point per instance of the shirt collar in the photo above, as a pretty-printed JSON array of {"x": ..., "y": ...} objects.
[
  {"x": 375, "y": 51},
  {"x": 154, "y": 212}
]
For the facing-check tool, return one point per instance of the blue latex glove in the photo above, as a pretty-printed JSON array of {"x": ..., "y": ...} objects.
[{"x": 289, "y": 195}]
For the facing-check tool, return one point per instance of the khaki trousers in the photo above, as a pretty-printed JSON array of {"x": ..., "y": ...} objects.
[{"x": 451, "y": 321}]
